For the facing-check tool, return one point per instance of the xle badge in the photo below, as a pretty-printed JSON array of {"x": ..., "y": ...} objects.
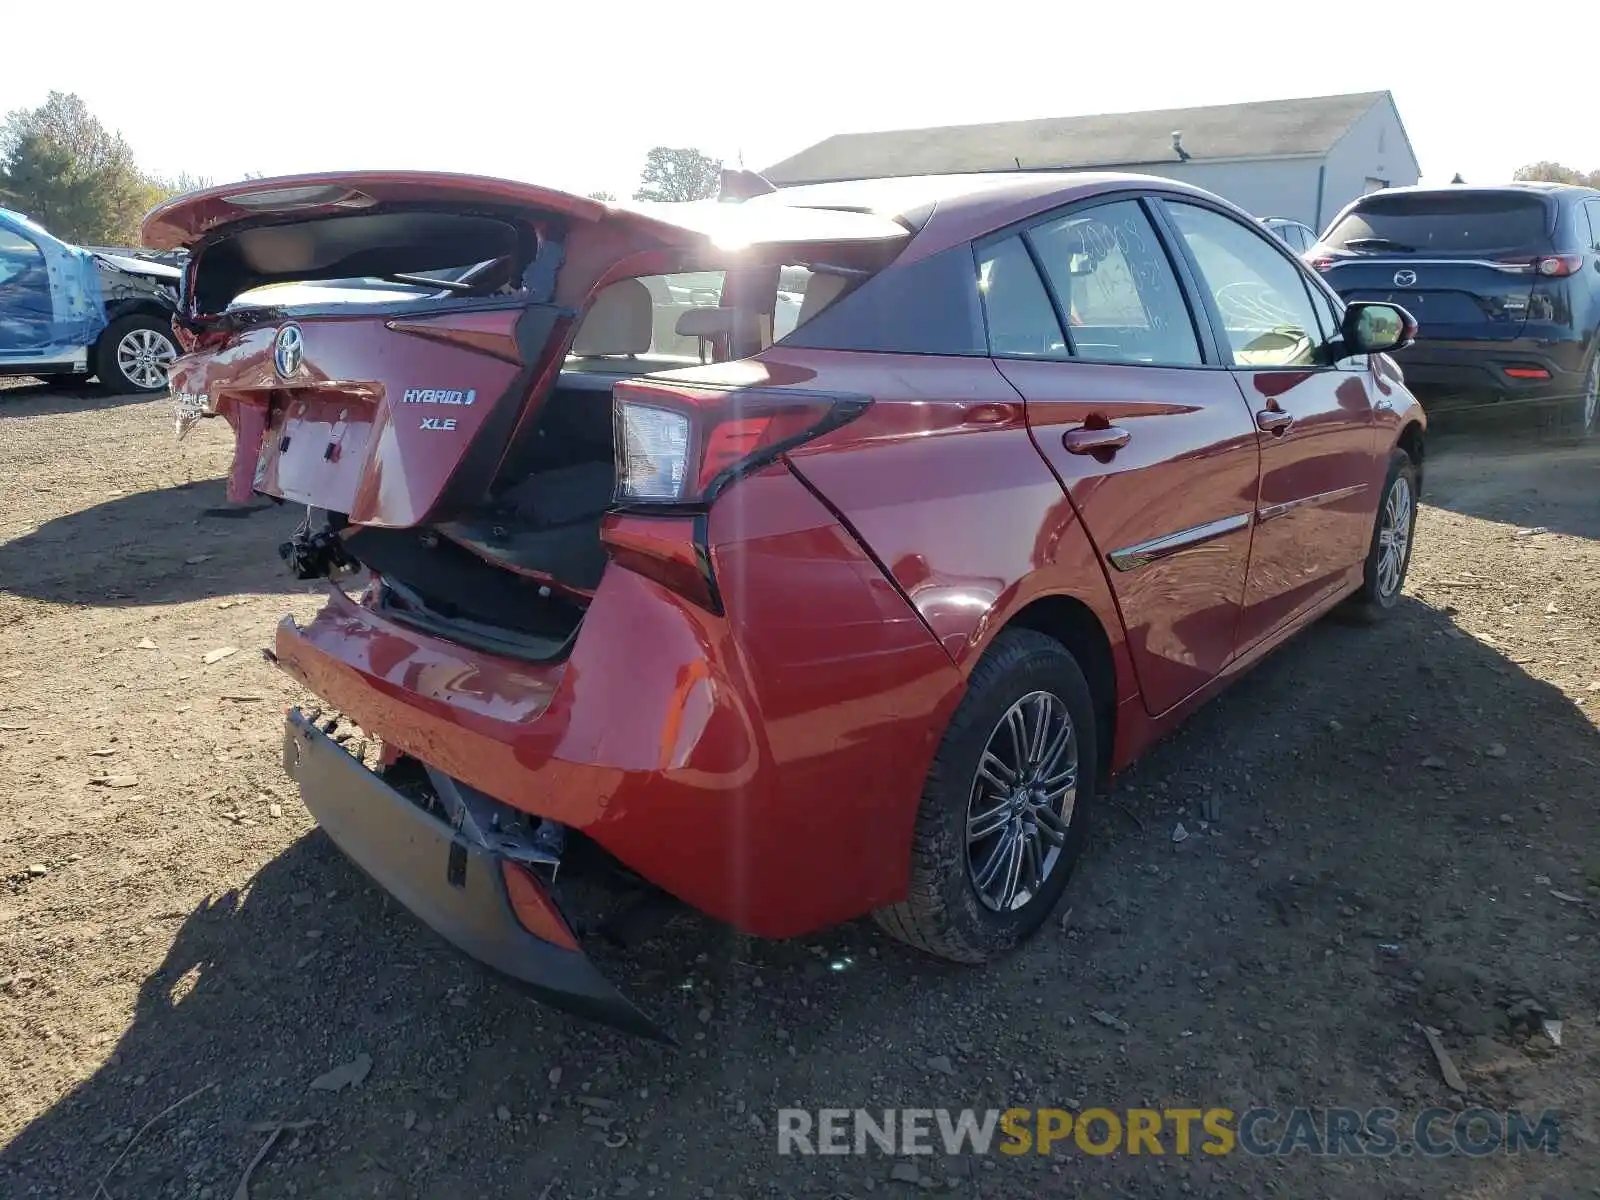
[{"x": 440, "y": 423}]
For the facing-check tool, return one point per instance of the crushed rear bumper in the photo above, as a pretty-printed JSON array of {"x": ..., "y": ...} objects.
[{"x": 457, "y": 888}]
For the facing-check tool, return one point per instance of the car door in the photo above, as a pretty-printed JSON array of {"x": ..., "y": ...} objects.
[
  {"x": 26, "y": 312},
  {"x": 1318, "y": 439},
  {"x": 1158, "y": 453}
]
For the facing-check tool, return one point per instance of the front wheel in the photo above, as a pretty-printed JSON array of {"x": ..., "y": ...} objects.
[
  {"x": 1004, "y": 810},
  {"x": 133, "y": 354},
  {"x": 1389, "y": 556}
]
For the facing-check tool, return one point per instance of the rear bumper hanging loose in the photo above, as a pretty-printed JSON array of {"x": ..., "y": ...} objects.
[{"x": 468, "y": 893}]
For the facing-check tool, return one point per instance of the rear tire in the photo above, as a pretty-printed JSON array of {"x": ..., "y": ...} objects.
[
  {"x": 974, "y": 894},
  {"x": 1578, "y": 417},
  {"x": 133, "y": 354},
  {"x": 1393, "y": 534}
]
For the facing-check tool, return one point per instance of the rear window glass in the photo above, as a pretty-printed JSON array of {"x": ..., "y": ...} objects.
[
  {"x": 378, "y": 256},
  {"x": 1443, "y": 223}
]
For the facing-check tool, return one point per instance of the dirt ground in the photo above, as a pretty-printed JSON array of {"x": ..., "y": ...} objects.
[{"x": 1385, "y": 826}]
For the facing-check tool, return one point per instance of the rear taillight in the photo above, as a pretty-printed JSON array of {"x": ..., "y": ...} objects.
[
  {"x": 1552, "y": 266},
  {"x": 679, "y": 444},
  {"x": 1321, "y": 264},
  {"x": 1556, "y": 265}
]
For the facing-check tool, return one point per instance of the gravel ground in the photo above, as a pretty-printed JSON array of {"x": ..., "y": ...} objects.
[{"x": 1385, "y": 827}]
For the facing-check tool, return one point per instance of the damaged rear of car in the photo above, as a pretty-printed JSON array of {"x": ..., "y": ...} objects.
[{"x": 516, "y": 411}]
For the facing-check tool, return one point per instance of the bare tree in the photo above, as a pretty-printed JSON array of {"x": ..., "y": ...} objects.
[
  {"x": 1554, "y": 172},
  {"x": 678, "y": 174}
]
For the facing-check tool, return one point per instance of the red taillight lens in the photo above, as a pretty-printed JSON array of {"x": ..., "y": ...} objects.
[
  {"x": 1557, "y": 265},
  {"x": 1321, "y": 264},
  {"x": 679, "y": 444},
  {"x": 1551, "y": 266}
]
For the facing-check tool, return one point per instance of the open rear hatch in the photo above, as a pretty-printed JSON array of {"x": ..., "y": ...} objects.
[
  {"x": 373, "y": 339},
  {"x": 386, "y": 345}
]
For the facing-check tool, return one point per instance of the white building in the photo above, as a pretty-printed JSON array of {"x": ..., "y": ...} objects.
[{"x": 1303, "y": 159}]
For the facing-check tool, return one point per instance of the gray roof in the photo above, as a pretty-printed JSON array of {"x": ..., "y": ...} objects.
[{"x": 1264, "y": 129}]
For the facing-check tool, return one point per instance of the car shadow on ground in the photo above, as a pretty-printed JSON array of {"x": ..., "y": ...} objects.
[
  {"x": 1501, "y": 468},
  {"x": 1334, "y": 800},
  {"x": 157, "y": 547},
  {"x": 39, "y": 398}
]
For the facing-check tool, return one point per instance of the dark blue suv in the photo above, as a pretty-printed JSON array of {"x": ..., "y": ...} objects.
[{"x": 1504, "y": 283}]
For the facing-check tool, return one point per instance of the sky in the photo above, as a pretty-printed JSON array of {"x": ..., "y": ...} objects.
[{"x": 573, "y": 95}]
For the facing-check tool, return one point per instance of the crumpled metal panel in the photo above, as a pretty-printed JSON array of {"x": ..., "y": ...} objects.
[{"x": 50, "y": 297}]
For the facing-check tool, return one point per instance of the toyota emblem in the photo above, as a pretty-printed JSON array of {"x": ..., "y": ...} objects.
[
  {"x": 1405, "y": 278},
  {"x": 288, "y": 350}
]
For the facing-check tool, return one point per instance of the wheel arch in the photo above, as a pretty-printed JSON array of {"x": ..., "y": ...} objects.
[
  {"x": 136, "y": 307},
  {"x": 1412, "y": 441},
  {"x": 1072, "y": 623}
]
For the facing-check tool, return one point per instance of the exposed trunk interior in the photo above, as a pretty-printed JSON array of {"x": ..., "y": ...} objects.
[{"x": 522, "y": 564}]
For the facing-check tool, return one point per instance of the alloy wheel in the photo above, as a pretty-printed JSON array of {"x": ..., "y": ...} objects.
[
  {"x": 143, "y": 356},
  {"x": 1021, "y": 802},
  {"x": 1394, "y": 537}
]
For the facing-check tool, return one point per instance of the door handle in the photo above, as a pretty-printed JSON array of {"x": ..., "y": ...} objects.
[
  {"x": 1273, "y": 421},
  {"x": 1107, "y": 439}
]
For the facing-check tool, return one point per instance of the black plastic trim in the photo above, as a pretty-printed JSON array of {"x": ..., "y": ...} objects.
[
  {"x": 451, "y": 884},
  {"x": 702, "y": 553}
]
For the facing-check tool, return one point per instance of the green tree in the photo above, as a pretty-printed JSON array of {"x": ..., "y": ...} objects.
[
  {"x": 603, "y": 197},
  {"x": 677, "y": 175},
  {"x": 63, "y": 168},
  {"x": 1554, "y": 172},
  {"x": 181, "y": 184}
]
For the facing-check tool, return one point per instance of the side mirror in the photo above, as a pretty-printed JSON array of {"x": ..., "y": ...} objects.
[{"x": 1374, "y": 328}]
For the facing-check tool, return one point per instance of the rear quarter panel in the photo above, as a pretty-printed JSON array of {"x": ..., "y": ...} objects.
[{"x": 942, "y": 482}]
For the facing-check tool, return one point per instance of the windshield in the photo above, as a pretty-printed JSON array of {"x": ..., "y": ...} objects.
[{"x": 1444, "y": 223}]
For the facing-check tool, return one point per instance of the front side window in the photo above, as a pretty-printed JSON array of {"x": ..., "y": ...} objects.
[
  {"x": 1259, "y": 293},
  {"x": 18, "y": 257},
  {"x": 1113, "y": 281},
  {"x": 1329, "y": 311}
]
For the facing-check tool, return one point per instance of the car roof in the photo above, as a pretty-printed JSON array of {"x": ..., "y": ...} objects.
[{"x": 947, "y": 209}]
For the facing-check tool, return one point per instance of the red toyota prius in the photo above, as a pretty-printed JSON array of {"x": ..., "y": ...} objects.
[{"x": 800, "y": 556}]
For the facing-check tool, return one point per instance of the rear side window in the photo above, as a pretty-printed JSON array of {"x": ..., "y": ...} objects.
[
  {"x": 1591, "y": 210},
  {"x": 1021, "y": 320},
  {"x": 1116, "y": 287},
  {"x": 929, "y": 306},
  {"x": 1453, "y": 222}
]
